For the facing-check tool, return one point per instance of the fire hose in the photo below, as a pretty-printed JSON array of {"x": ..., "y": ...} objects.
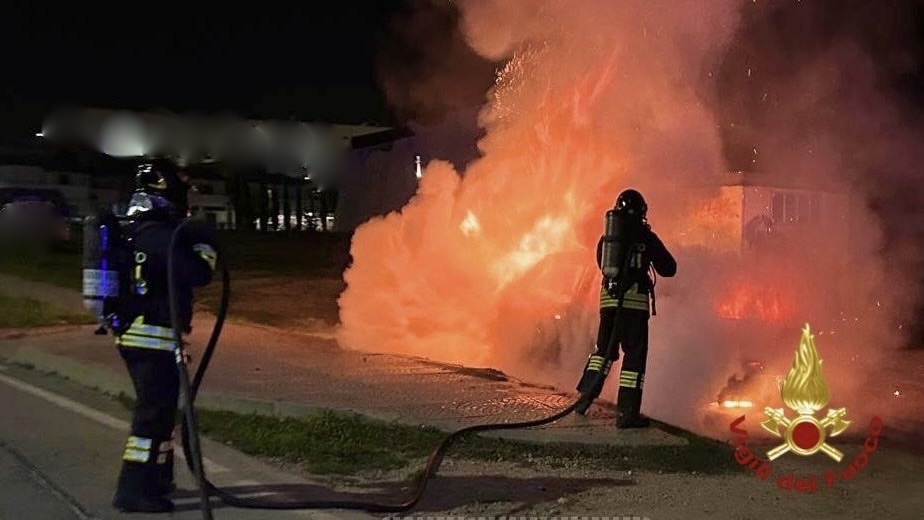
[{"x": 192, "y": 447}]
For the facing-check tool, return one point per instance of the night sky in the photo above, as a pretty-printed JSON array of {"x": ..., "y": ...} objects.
[
  {"x": 309, "y": 60},
  {"x": 322, "y": 60}
]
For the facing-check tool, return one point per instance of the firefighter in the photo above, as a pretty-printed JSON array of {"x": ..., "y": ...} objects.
[
  {"x": 625, "y": 253},
  {"x": 144, "y": 333}
]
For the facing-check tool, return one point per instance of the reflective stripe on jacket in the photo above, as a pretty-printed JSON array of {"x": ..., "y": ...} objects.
[
  {"x": 633, "y": 299},
  {"x": 141, "y": 335}
]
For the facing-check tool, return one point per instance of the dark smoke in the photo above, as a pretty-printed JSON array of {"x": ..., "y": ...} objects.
[
  {"x": 436, "y": 85},
  {"x": 426, "y": 68},
  {"x": 835, "y": 88}
]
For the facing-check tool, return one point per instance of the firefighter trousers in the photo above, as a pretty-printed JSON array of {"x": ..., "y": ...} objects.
[
  {"x": 625, "y": 329},
  {"x": 147, "y": 462}
]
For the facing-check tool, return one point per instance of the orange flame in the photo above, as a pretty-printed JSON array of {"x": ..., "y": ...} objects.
[
  {"x": 745, "y": 300},
  {"x": 472, "y": 264},
  {"x": 478, "y": 267},
  {"x": 714, "y": 224}
]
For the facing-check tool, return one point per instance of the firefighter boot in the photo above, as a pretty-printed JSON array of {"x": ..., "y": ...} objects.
[
  {"x": 629, "y": 401},
  {"x": 591, "y": 383},
  {"x": 136, "y": 492}
]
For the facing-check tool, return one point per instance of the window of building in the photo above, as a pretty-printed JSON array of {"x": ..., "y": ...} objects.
[
  {"x": 804, "y": 209},
  {"x": 64, "y": 179},
  {"x": 792, "y": 208},
  {"x": 776, "y": 207},
  {"x": 815, "y": 213}
]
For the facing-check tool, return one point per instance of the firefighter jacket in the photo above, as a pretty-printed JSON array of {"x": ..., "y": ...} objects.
[
  {"x": 646, "y": 251},
  {"x": 148, "y": 313}
]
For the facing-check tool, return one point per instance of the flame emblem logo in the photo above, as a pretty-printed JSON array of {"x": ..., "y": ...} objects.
[{"x": 805, "y": 392}]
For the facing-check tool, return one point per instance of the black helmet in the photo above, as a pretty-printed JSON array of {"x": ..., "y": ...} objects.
[
  {"x": 631, "y": 202},
  {"x": 159, "y": 187}
]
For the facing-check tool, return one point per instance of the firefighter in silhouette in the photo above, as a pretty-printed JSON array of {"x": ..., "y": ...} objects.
[
  {"x": 142, "y": 327},
  {"x": 626, "y": 253}
]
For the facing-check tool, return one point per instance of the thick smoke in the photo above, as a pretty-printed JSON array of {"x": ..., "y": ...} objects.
[
  {"x": 824, "y": 91},
  {"x": 495, "y": 266},
  {"x": 426, "y": 68}
]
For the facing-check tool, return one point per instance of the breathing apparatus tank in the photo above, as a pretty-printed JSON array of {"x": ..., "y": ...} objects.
[
  {"x": 615, "y": 244},
  {"x": 106, "y": 259},
  {"x": 622, "y": 226}
]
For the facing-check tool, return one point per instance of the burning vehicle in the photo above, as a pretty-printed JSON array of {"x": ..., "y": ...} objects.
[{"x": 780, "y": 244}]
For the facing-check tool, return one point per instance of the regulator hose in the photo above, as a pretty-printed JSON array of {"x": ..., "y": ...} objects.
[{"x": 190, "y": 431}]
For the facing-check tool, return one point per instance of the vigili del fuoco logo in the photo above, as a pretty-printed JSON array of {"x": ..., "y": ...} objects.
[{"x": 805, "y": 392}]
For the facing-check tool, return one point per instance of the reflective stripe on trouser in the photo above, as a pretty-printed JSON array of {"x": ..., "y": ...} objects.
[
  {"x": 141, "y": 449},
  {"x": 597, "y": 364},
  {"x": 164, "y": 468},
  {"x": 595, "y": 373},
  {"x": 164, "y": 450},
  {"x": 632, "y": 299},
  {"x": 137, "y": 449},
  {"x": 631, "y": 379},
  {"x": 629, "y": 396},
  {"x": 142, "y": 335}
]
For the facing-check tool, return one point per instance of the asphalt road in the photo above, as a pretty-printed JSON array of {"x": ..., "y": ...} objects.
[
  {"x": 60, "y": 450},
  {"x": 25, "y": 493}
]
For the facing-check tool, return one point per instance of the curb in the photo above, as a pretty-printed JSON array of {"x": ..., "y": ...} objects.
[{"x": 82, "y": 373}]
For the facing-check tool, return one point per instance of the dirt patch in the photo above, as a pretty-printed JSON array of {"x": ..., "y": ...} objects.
[{"x": 305, "y": 305}]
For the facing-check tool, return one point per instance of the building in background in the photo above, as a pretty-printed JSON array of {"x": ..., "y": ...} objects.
[
  {"x": 83, "y": 192},
  {"x": 384, "y": 169},
  {"x": 85, "y": 182},
  {"x": 208, "y": 199},
  {"x": 248, "y": 174}
]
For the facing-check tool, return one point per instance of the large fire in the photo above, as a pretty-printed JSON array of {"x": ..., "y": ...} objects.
[
  {"x": 495, "y": 265},
  {"x": 714, "y": 223},
  {"x": 473, "y": 264}
]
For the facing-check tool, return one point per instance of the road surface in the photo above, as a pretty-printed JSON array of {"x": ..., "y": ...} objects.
[{"x": 60, "y": 449}]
